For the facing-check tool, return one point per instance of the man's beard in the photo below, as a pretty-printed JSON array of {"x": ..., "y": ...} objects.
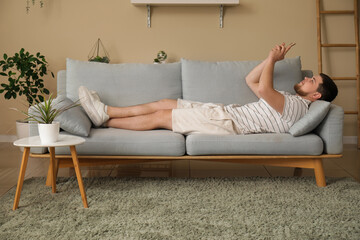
[{"x": 297, "y": 88}]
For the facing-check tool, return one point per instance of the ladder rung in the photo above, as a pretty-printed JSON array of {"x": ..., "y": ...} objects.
[
  {"x": 338, "y": 45},
  {"x": 344, "y": 78},
  {"x": 350, "y": 112},
  {"x": 338, "y": 12}
]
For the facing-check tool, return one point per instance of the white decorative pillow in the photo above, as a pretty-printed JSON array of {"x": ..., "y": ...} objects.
[{"x": 317, "y": 112}]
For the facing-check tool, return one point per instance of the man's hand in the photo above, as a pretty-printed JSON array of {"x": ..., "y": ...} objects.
[{"x": 279, "y": 51}]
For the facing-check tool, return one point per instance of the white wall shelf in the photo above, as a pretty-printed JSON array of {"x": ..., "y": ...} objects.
[
  {"x": 184, "y": 2},
  {"x": 220, "y": 3}
]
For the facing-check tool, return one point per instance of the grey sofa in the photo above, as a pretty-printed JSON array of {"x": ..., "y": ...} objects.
[{"x": 313, "y": 139}]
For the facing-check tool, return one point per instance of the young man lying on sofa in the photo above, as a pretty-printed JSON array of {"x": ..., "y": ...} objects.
[{"x": 275, "y": 112}]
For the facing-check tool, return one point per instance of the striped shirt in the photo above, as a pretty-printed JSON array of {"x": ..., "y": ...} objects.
[{"x": 260, "y": 117}]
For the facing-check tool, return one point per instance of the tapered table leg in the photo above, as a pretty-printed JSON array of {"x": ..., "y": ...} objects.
[
  {"x": 56, "y": 170},
  {"x": 52, "y": 169},
  {"x": 78, "y": 175},
  {"x": 21, "y": 176}
]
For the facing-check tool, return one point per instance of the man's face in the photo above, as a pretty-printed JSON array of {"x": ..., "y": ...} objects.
[{"x": 308, "y": 86}]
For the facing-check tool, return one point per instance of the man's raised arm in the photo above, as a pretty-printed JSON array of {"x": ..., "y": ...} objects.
[
  {"x": 265, "y": 87},
  {"x": 253, "y": 78}
]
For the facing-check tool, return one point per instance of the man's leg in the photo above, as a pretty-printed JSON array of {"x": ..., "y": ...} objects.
[
  {"x": 154, "y": 120},
  {"x": 99, "y": 113},
  {"x": 143, "y": 109}
]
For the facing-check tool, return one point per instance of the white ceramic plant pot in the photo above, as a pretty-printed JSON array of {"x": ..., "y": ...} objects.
[
  {"x": 49, "y": 133},
  {"x": 22, "y": 129}
]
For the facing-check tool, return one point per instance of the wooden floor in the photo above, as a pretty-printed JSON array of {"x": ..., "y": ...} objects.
[{"x": 10, "y": 159}]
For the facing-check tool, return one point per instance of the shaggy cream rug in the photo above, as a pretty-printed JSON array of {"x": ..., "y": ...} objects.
[{"x": 171, "y": 208}]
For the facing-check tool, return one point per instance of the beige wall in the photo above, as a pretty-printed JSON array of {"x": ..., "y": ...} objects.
[{"x": 69, "y": 28}]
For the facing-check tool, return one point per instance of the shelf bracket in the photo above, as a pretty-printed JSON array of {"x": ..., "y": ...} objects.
[
  {"x": 221, "y": 16},
  {"x": 148, "y": 16}
]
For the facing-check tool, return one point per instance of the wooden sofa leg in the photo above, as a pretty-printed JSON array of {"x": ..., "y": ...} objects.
[
  {"x": 319, "y": 173},
  {"x": 297, "y": 172}
]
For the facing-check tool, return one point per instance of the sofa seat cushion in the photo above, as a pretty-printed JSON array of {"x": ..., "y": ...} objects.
[
  {"x": 258, "y": 144},
  {"x": 111, "y": 141}
]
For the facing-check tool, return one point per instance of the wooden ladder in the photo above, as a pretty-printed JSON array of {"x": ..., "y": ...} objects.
[{"x": 355, "y": 46}]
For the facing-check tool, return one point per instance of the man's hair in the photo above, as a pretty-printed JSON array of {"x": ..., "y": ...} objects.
[{"x": 328, "y": 88}]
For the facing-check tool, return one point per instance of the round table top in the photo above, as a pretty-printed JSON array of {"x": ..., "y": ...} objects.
[{"x": 63, "y": 141}]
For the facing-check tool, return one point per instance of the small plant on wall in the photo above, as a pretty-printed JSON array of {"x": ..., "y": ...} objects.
[
  {"x": 24, "y": 72},
  {"x": 32, "y": 2},
  {"x": 98, "y": 53}
]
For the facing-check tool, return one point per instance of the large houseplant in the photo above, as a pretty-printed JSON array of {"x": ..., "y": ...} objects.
[{"x": 24, "y": 73}]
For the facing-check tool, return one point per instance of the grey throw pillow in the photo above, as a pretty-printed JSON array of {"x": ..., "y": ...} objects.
[
  {"x": 74, "y": 120},
  {"x": 317, "y": 112}
]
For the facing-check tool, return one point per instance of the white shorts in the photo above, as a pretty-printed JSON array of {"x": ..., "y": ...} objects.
[{"x": 207, "y": 118}]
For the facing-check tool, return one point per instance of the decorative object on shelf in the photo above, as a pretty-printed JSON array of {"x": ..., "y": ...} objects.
[
  {"x": 220, "y": 3},
  {"x": 33, "y": 3},
  {"x": 161, "y": 58},
  {"x": 44, "y": 114},
  {"x": 98, "y": 53}
]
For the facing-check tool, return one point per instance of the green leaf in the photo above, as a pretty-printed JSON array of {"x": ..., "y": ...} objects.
[
  {"x": 5, "y": 56},
  {"x": 30, "y": 100},
  {"x": 8, "y": 95},
  {"x": 3, "y": 74}
]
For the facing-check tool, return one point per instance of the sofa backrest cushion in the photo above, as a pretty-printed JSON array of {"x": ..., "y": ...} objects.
[
  {"x": 124, "y": 84},
  {"x": 224, "y": 82},
  {"x": 317, "y": 112}
]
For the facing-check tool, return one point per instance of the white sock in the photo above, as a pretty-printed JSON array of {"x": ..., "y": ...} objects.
[{"x": 106, "y": 110}]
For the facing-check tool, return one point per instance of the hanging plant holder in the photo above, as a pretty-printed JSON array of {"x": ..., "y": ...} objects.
[{"x": 98, "y": 53}]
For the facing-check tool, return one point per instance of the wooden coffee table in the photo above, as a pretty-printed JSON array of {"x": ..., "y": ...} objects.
[{"x": 63, "y": 141}]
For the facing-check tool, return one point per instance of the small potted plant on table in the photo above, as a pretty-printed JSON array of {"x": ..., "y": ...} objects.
[{"x": 44, "y": 114}]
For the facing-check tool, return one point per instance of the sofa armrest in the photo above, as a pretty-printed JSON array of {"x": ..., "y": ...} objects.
[{"x": 331, "y": 130}]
